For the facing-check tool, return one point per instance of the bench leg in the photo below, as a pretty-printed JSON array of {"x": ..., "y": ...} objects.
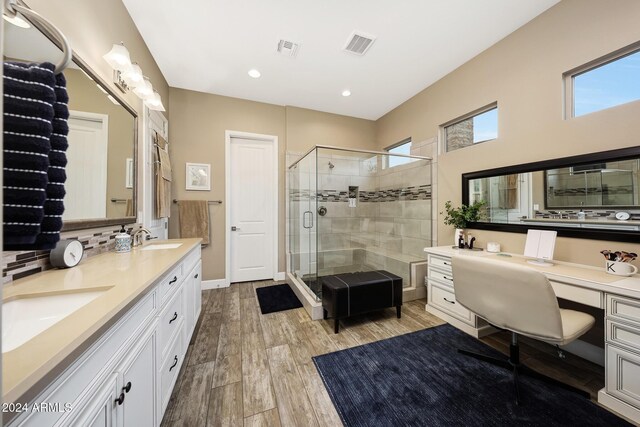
[
  {"x": 399, "y": 311},
  {"x": 336, "y": 325},
  {"x": 325, "y": 314}
]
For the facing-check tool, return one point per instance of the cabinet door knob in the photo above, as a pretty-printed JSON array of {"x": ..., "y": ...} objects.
[
  {"x": 175, "y": 362},
  {"x": 127, "y": 388},
  {"x": 174, "y": 280},
  {"x": 120, "y": 400},
  {"x": 196, "y": 276},
  {"x": 175, "y": 316}
]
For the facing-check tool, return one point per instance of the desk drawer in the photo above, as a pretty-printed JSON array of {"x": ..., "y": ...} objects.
[
  {"x": 440, "y": 277},
  {"x": 623, "y": 335},
  {"x": 619, "y": 308},
  {"x": 623, "y": 375},
  {"x": 578, "y": 294},
  {"x": 445, "y": 300},
  {"x": 440, "y": 262}
]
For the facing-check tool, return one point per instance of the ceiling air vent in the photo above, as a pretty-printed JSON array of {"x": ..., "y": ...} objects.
[
  {"x": 359, "y": 43},
  {"x": 288, "y": 48}
]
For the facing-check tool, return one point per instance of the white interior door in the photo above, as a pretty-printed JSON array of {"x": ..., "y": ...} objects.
[
  {"x": 252, "y": 215},
  {"x": 86, "y": 184},
  {"x": 155, "y": 122}
]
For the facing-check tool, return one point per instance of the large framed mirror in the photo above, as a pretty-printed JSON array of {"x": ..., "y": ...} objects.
[
  {"x": 101, "y": 185},
  {"x": 591, "y": 196}
]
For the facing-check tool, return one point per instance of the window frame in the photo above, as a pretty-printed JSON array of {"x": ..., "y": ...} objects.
[
  {"x": 396, "y": 145},
  {"x": 568, "y": 77},
  {"x": 474, "y": 113}
]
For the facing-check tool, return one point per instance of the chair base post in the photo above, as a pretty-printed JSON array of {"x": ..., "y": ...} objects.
[{"x": 517, "y": 368}]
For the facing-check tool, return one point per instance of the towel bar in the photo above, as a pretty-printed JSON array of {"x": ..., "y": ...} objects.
[{"x": 215, "y": 202}]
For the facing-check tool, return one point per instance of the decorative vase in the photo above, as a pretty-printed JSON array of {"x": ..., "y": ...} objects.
[{"x": 456, "y": 238}]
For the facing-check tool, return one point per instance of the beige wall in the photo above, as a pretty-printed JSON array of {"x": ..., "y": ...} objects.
[
  {"x": 307, "y": 128},
  {"x": 523, "y": 73},
  {"x": 197, "y": 126}
]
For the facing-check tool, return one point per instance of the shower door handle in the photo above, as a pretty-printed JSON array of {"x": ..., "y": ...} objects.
[{"x": 304, "y": 220}]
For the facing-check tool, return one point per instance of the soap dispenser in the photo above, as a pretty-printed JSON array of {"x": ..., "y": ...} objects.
[{"x": 123, "y": 241}]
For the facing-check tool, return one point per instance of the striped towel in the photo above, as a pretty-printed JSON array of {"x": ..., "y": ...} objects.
[
  {"x": 28, "y": 102},
  {"x": 54, "y": 206}
]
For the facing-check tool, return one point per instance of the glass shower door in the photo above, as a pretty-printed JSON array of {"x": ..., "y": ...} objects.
[{"x": 302, "y": 215}]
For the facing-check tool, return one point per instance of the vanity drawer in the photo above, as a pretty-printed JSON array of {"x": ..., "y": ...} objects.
[
  {"x": 620, "y": 308},
  {"x": 623, "y": 335},
  {"x": 440, "y": 262},
  {"x": 440, "y": 277},
  {"x": 191, "y": 259},
  {"x": 170, "y": 320},
  {"x": 170, "y": 282},
  {"x": 576, "y": 293},
  {"x": 445, "y": 300},
  {"x": 170, "y": 367}
]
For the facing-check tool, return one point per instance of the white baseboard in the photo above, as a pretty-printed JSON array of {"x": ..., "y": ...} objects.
[
  {"x": 215, "y": 284},
  {"x": 279, "y": 276}
]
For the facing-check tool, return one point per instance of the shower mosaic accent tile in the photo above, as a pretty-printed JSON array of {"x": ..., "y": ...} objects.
[
  {"x": 421, "y": 192},
  {"x": 19, "y": 264}
]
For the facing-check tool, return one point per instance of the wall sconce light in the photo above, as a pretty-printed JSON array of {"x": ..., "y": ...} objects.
[
  {"x": 155, "y": 102},
  {"x": 144, "y": 89},
  {"x": 118, "y": 58},
  {"x": 128, "y": 76}
]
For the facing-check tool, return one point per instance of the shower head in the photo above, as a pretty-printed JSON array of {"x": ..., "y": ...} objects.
[{"x": 331, "y": 165}]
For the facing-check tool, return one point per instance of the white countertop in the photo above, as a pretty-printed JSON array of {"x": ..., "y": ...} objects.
[{"x": 565, "y": 272}]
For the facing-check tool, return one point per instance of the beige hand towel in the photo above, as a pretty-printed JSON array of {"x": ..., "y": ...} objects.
[
  {"x": 163, "y": 186},
  {"x": 163, "y": 157},
  {"x": 194, "y": 219},
  {"x": 129, "y": 208}
]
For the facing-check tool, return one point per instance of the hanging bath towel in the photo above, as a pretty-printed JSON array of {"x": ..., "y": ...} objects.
[
  {"x": 54, "y": 205},
  {"x": 28, "y": 102}
]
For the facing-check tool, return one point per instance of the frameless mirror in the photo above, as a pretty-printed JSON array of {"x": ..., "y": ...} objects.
[
  {"x": 594, "y": 196},
  {"x": 101, "y": 184}
]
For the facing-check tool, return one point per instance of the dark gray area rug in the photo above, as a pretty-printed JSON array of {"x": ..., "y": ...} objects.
[
  {"x": 419, "y": 379},
  {"x": 277, "y": 298}
]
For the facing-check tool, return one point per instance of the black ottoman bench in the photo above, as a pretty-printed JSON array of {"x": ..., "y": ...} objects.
[{"x": 347, "y": 294}]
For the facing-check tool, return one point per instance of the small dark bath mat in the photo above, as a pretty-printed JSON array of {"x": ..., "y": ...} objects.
[{"x": 277, "y": 298}]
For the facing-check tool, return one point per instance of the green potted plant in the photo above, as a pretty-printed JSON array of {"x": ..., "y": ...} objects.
[{"x": 461, "y": 216}]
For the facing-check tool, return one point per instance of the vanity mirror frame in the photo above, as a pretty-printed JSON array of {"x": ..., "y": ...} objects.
[
  {"x": 82, "y": 224},
  {"x": 583, "y": 159}
]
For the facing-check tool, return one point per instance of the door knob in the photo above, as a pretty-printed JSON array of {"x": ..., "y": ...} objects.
[{"x": 234, "y": 228}]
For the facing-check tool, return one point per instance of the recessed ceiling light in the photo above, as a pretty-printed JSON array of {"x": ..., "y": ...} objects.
[
  {"x": 254, "y": 73},
  {"x": 346, "y": 92}
]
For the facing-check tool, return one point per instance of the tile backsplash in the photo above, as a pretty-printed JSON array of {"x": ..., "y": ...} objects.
[{"x": 19, "y": 264}]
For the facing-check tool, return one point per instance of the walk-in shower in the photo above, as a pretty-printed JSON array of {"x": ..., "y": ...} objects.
[{"x": 357, "y": 210}]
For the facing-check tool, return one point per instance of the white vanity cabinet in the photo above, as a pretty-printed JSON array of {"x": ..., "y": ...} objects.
[
  {"x": 126, "y": 376},
  {"x": 441, "y": 299},
  {"x": 622, "y": 356}
]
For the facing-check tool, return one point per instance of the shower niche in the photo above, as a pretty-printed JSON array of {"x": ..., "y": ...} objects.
[{"x": 349, "y": 211}]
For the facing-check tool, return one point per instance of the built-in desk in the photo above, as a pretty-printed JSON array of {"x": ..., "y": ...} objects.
[{"x": 619, "y": 297}]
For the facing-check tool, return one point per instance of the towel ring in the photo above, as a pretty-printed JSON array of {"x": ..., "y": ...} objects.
[{"x": 12, "y": 7}]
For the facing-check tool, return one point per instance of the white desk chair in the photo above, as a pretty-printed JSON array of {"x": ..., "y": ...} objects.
[{"x": 521, "y": 300}]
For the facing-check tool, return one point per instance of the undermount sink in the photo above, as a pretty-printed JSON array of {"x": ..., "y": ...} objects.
[
  {"x": 25, "y": 317},
  {"x": 160, "y": 246}
]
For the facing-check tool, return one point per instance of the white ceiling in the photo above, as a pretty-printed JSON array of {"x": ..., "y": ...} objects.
[{"x": 209, "y": 45}]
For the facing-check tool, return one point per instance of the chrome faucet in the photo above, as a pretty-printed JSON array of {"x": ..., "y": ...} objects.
[{"x": 137, "y": 241}]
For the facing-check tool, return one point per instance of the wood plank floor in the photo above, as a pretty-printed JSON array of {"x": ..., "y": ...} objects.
[{"x": 248, "y": 369}]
